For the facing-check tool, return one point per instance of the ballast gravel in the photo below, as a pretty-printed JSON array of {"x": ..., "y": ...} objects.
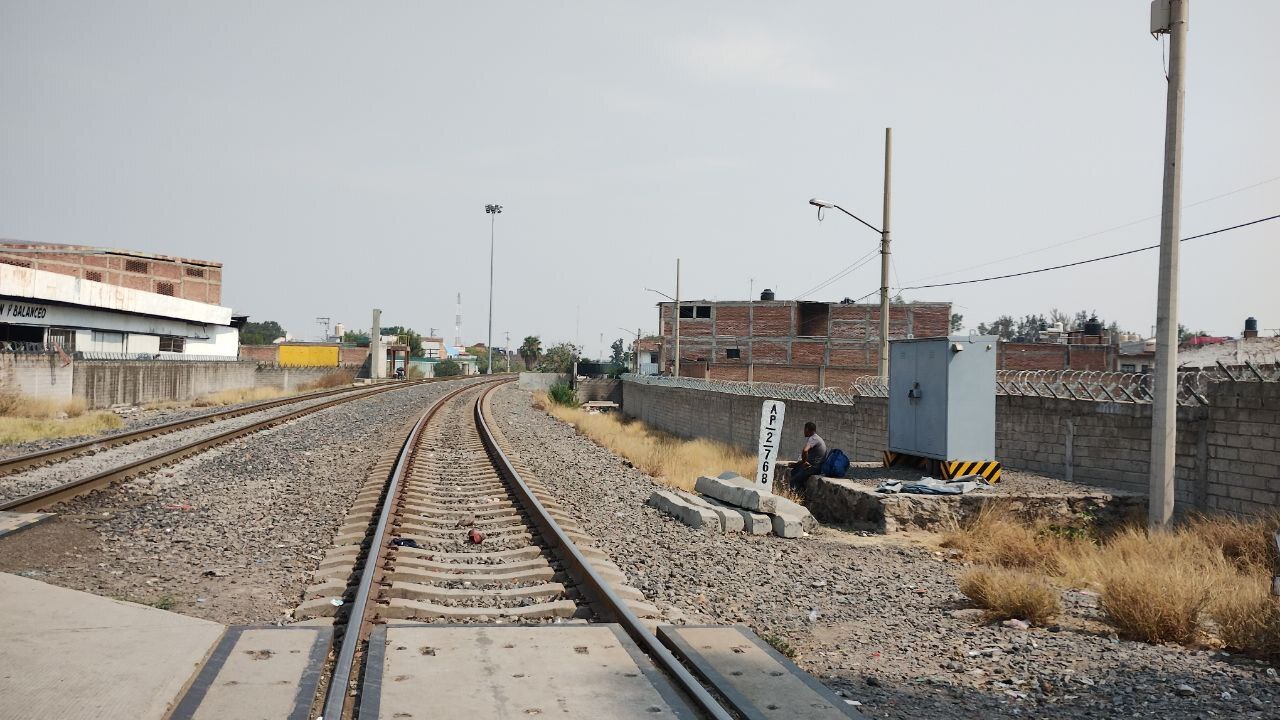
[
  {"x": 232, "y": 534},
  {"x": 878, "y": 619}
]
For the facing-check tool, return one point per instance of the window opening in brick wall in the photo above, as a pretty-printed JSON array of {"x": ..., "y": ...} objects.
[
  {"x": 66, "y": 339},
  {"x": 172, "y": 343},
  {"x": 165, "y": 288},
  {"x": 686, "y": 312},
  {"x": 195, "y": 272},
  {"x": 19, "y": 263},
  {"x": 733, "y": 353},
  {"x": 93, "y": 275},
  {"x": 702, "y": 312},
  {"x": 813, "y": 319},
  {"x": 138, "y": 266}
]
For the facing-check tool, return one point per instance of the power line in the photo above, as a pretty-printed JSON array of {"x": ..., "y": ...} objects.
[
  {"x": 1129, "y": 224},
  {"x": 841, "y": 274},
  {"x": 1085, "y": 262}
]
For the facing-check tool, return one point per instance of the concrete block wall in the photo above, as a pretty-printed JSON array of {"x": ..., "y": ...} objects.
[
  {"x": 132, "y": 382},
  {"x": 1228, "y": 454},
  {"x": 292, "y": 378},
  {"x": 44, "y": 375},
  {"x": 600, "y": 389}
]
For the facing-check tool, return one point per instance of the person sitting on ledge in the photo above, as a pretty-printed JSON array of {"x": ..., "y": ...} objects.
[{"x": 811, "y": 457}]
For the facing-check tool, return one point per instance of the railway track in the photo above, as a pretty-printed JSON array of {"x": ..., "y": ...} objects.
[
  {"x": 63, "y": 473},
  {"x": 450, "y": 530}
]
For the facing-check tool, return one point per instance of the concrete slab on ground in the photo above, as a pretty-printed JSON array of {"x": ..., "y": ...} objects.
[
  {"x": 70, "y": 654},
  {"x": 758, "y": 681},
  {"x": 487, "y": 671},
  {"x": 264, "y": 672},
  {"x": 12, "y": 522}
]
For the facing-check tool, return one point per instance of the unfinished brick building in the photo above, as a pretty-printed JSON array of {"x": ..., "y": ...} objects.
[
  {"x": 198, "y": 280},
  {"x": 789, "y": 341}
]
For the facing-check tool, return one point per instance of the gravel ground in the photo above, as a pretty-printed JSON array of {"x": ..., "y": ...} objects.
[
  {"x": 1012, "y": 482},
  {"x": 230, "y": 535},
  {"x": 879, "y": 619},
  {"x": 36, "y": 479}
]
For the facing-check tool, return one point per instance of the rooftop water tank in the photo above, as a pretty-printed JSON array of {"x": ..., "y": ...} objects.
[
  {"x": 1251, "y": 324},
  {"x": 1092, "y": 326},
  {"x": 767, "y": 294}
]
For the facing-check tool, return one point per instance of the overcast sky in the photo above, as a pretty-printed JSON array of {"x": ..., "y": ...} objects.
[{"x": 338, "y": 156}]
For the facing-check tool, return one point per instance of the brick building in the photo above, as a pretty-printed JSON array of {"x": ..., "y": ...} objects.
[
  {"x": 788, "y": 341},
  {"x": 1056, "y": 356},
  {"x": 78, "y": 298},
  {"x": 198, "y": 280}
]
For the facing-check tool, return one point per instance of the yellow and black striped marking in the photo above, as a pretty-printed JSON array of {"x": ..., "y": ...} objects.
[
  {"x": 989, "y": 469},
  {"x": 893, "y": 459}
]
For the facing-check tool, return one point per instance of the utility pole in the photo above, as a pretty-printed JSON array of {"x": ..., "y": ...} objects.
[
  {"x": 677, "y": 317},
  {"x": 1168, "y": 16},
  {"x": 884, "y": 258},
  {"x": 493, "y": 211},
  {"x": 506, "y": 350}
]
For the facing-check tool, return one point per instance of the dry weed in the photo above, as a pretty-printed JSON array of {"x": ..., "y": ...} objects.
[
  {"x": 1008, "y": 594},
  {"x": 1153, "y": 586},
  {"x": 676, "y": 462},
  {"x": 15, "y": 430},
  {"x": 1247, "y": 615},
  {"x": 340, "y": 378},
  {"x": 35, "y": 408},
  {"x": 1249, "y": 543},
  {"x": 995, "y": 537}
]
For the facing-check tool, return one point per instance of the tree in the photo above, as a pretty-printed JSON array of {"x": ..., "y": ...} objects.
[
  {"x": 619, "y": 356},
  {"x": 357, "y": 337},
  {"x": 448, "y": 368},
  {"x": 481, "y": 354},
  {"x": 1002, "y": 327},
  {"x": 262, "y": 333},
  {"x": 1030, "y": 327},
  {"x": 413, "y": 340},
  {"x": 558, "y": 358},
  {"x": 529, "y": 351},
  {"x": 957, "y": 322}
]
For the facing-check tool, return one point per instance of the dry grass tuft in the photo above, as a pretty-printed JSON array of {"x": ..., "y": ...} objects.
[
  {"x": 340, "y": 378},
  {"x": 676, "y": 462},
  {"x": 995, "y": 537},
  {"x": 236, "y": 396},
  {"x": 1011, "y": 594},
  {"x": 1247, "y": 542},
  {"x": 1154, "y": 585},
  {"x": 26, "y": 419},
  {"x": 1248, "y": 616}
]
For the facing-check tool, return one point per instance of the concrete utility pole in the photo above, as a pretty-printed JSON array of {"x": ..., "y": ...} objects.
[
  {"x": 884, "y": 258},
  {"x": 1168, "y": 16},
  {"x": 676, "y": 312},
  {"x": 493, "y": 211},
  {"x": 377, "y": 356}
]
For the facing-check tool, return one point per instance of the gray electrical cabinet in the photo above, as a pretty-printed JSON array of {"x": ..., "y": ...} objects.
[{"x": 942, "y": 397}]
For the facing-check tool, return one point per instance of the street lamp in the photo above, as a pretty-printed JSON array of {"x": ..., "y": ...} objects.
[
  {"x": 661, "y": 293},
  {"x": 884, "y": 250},
  {"x": 492, "y": 211}
]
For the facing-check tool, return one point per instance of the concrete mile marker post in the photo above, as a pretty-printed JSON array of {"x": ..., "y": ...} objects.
[{"x": 771, "y": 416}]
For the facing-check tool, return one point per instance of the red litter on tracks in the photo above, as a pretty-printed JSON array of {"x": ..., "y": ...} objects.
[{"x": 475, "y": 536}]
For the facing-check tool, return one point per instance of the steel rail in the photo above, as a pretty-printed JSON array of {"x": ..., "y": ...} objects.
[
  {"x": 606, "y": 603},
  {"x": 66, "y": 491},
  {"x": 361, "y": 613},
  {"x": 45, "y": 457}
]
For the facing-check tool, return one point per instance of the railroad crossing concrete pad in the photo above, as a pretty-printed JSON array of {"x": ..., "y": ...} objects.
[
  {"x": 69, "y": 654},
  {"x": 485, "y": 671},
  {"x": 12, "y": 522},
  {"x": 758, "y": 681},
  {"x": 265, "y": 672}
]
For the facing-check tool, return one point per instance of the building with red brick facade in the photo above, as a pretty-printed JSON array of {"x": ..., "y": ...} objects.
[
  {"x": 198, "y": 280},
  {"x": 789, "y": 341}
]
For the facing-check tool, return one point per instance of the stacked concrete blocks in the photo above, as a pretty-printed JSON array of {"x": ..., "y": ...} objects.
[{"x": 731, "y": 503}]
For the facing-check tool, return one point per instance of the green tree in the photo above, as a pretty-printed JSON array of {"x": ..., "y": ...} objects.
[
  {"x": 957, "y": 322},
  {"x": 481, "y": 354},
  {"x": 558, "y": 358},
  {"x": 356, "y": 337},
  {"x": 1001, "y": 327},
  {"x": 529, "y": 351},
  {"x": 619, "y": 353},
  {"x": 413, "y": 340},
  {"x": 448, "y": 368},
  {"x": 261, "y": 333}
]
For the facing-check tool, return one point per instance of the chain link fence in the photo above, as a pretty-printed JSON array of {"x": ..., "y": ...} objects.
[{"x": 1193, "y": 385}]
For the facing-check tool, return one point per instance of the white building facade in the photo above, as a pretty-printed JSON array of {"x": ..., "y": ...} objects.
[{"x": 76, "y": 315}]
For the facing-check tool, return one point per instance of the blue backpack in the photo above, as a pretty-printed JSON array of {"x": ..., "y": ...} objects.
[{"x": 836, "y": 464}]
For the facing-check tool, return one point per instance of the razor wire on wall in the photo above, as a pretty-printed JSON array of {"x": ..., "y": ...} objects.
[{"x": 1193, "y": 385}]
